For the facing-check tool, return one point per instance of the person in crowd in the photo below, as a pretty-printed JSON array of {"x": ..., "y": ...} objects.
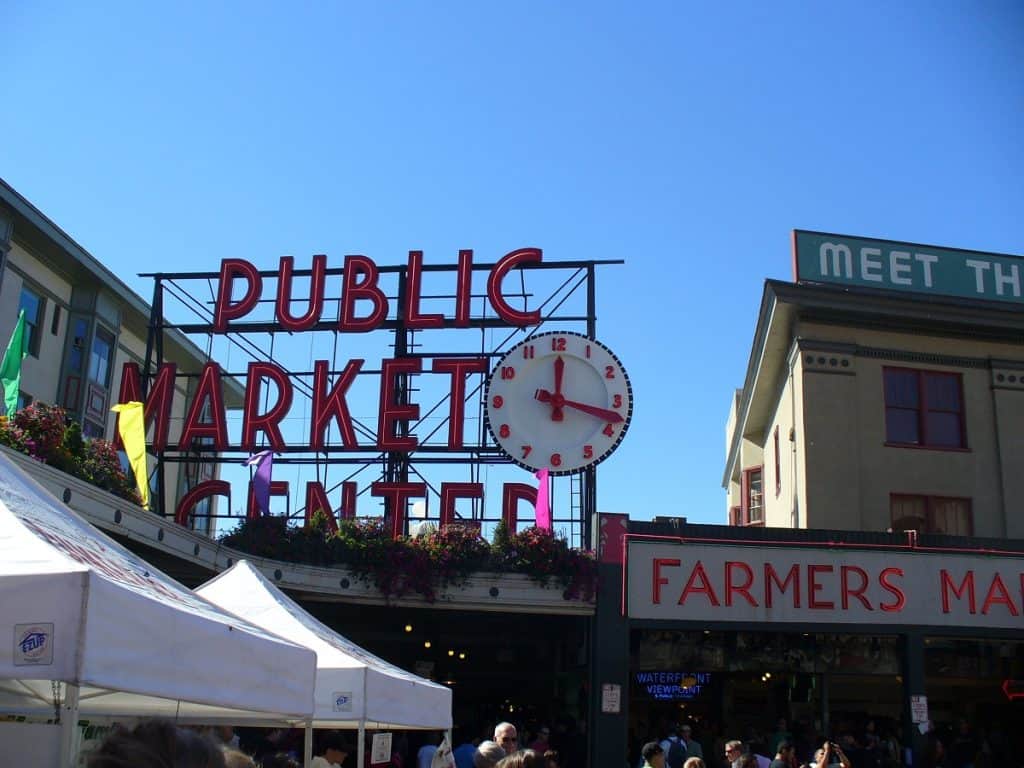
[
  {"x": 826, "y": 754},
  {"x": 463, "y": 753},
  {"x": 524, "y": 758},
  {"x": 734, "y": 753},
  {"x": 963, "y": 748},
  {"x": 785, "y": 756},
  {"x": 693, "y": 747},
  {"x": 694, "y": 762},
  {"x": 542, "y": 743},
  {"x": 781, "y": 734},
  {"x": 487, "y": 754},
  {"x": 332, "y": 752},
  {"x": 426, "y": 752},
  {"x": 234, "y": 758},
  {"x": 507, "y": 737},
  {"x": 552, "y": 759},
  {"x": 157, "y": 744},
  {"x": 280, "y": 760},
  {"x": 674, "y": 748},
  {"x": 653, "y": 754}
]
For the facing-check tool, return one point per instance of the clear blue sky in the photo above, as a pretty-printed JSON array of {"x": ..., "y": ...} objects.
[{"x": 686, "y": 140}]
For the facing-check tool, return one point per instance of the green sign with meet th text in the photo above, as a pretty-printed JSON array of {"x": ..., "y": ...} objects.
[{"x": 820, "y": 257}]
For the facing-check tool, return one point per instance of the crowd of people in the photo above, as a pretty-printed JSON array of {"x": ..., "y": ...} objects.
[
  {"x": 161, "y": 744},
  {"x": 857, "y": 742}
]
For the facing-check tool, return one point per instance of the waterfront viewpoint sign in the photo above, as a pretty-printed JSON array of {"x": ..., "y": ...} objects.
[
  {"x": 813, "y": 585},
  {"x": 820, "y": 257}
]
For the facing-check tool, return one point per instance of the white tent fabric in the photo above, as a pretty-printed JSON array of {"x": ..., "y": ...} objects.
[
  {"x": 79, "y": 609},
  {"x": 353, "y": 687}
]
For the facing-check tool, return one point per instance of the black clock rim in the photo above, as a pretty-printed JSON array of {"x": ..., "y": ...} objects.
[{"x": 628, "y": 418}]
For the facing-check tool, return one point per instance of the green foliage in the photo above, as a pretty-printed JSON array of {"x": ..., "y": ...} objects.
[
  {"x": 45, "y": 433},
  {"x": 423, "y": 565}
]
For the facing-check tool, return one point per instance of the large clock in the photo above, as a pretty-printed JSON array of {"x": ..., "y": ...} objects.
[{"x": 559, "y": 401}]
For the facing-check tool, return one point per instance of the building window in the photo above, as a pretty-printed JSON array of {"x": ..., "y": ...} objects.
[
  {"x": 753, "y": 497},
  {"x": 102, "y": 356},
  {"x": 931, "y": 514},
  {"x": 778, "y": 464},
  {"x": 734, "y": 516},
  {"x": 33, "y": 304},
  {"x": 924, "y": 408}
]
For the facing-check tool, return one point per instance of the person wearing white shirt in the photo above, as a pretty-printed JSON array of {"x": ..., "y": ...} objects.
[{"x": 333, "y": 751}]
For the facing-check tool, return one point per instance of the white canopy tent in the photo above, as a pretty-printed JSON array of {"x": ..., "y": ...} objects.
[
  {"x": 85, "y": 620},
  {"x": 354, "y": 688}
]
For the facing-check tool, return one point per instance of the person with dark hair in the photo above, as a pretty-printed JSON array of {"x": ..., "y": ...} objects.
[
  {"x": 653, "y": 755},
  {"x": 333, "y": 751},
  {"x": 157, "y": 744},
  {"x": 785, "y": 755}
]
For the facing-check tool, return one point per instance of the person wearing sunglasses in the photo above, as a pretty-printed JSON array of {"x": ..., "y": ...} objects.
[{"x": 507, "y": 737}]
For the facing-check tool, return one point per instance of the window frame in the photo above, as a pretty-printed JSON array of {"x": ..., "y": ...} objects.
[
  {"x": 922, "y": 410},
  {"x": 778, "y": 464},
  {"x": 745, "y": 496},
  {"x": 33, "y": 327},
  {"x": 930, "y": 501}
]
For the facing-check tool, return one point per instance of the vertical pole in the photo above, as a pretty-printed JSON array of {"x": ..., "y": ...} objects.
[
  {"x": 155, "y": 348},
  {"x": 307, "y": 752},
  {"x": 361, "y": 752},
  {"x": 69, "y": 726},
  {"x": 589, "y": 528},
  {"x": 913, "y": 685}
]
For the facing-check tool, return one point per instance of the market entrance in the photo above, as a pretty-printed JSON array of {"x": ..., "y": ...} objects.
[{"x": 743, "y": 685}]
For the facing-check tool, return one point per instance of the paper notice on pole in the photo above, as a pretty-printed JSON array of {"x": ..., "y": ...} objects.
[
  {"x": 919, "y": 709},
  {"x": 611, "y": 698},
  {"x": 380, "y": 752}
]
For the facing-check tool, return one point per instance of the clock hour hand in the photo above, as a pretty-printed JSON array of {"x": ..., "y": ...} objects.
[
  {"x": 557, "y": 400},
  {"x": 556, "y": 410}
]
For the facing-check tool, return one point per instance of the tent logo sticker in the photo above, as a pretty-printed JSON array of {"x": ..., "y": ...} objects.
[
  {"x": 33, "y": 644},
  {"x": 342, "y": 701}
]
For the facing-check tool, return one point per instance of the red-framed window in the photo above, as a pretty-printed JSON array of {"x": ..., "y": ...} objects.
[
  {"x": 931, "y": 514},
  {"x": 924, "y": 408},
  {"x": 752, "y": 497},
  {"x": 778, "y": 463}
]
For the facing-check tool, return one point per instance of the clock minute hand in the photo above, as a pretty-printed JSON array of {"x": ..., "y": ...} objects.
[{"x": 602, "y": 413}]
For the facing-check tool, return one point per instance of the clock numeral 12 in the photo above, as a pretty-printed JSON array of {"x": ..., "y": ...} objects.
[{"x": 558, "y": 344}]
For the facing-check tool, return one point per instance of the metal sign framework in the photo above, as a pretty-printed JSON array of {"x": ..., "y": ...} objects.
[{"x": 569, "y": 291}]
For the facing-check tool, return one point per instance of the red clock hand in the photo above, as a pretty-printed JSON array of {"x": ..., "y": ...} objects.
[
  {"x": 556, "y": 408},
  {"x": 602, "y": 413}
]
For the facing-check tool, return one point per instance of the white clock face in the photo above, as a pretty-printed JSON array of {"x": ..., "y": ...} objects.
[{"x": 558, "y": 400}]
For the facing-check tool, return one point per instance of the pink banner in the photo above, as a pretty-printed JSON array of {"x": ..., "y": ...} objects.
[{"x": 542, "y": 507}]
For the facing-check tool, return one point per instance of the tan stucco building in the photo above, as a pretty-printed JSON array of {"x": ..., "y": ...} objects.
[
  {"x": 83, "y": 324},
  {"x": 881, "y": 408}
]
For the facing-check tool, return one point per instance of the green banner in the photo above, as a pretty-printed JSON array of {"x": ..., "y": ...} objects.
[{"x": 820, "y": 257}]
